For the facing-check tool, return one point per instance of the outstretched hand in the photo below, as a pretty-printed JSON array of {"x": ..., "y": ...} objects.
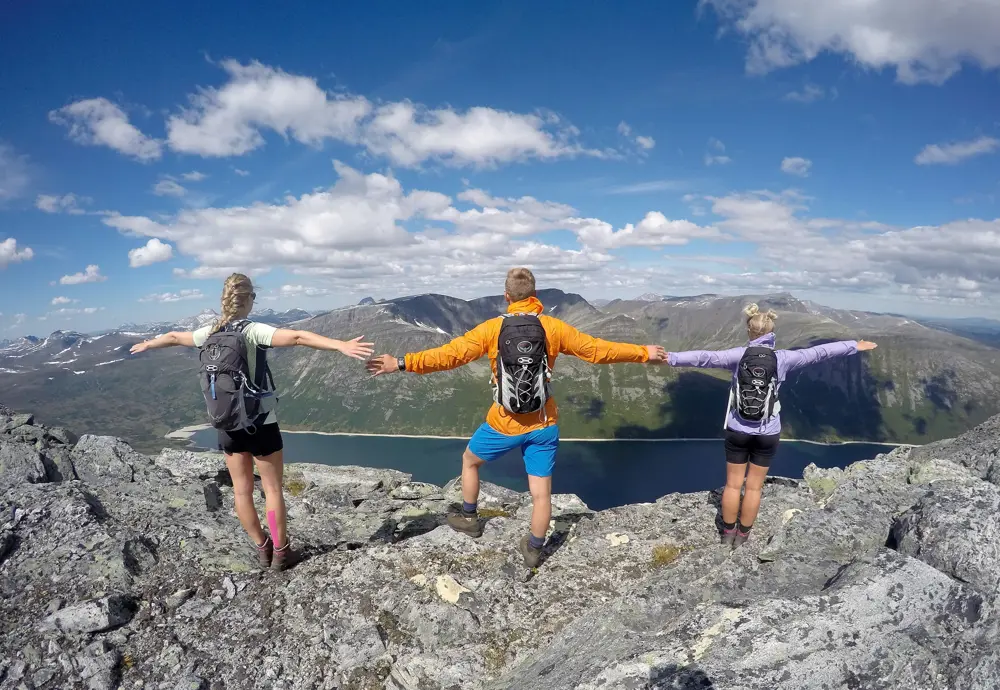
[
  {"x": 865, "y": 345},
  {"x": 139, "y": 347},
  {"x": 657, "y": 355},
  {"x": 383, "y": 364},
  {"x": 357, "y": 350}
]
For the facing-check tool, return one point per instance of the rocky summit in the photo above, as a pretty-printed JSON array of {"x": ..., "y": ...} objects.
[{"x": 122, "y": 570}]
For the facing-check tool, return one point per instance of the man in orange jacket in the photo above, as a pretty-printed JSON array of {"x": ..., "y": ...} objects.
[{"x": 536, "y": 432}]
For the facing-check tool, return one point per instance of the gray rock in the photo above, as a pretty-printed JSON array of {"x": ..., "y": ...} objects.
[
  {"x": 10, "y": 422},
  {"x": 20, "y": 463},
  {"x": 99, "y": 666},
  {"x": 413, "y": 491},
  {"x": 58, "y": 463},
  {"x": 103, "y": 459},
  {"x": 93, "y": 616},
  {"x": 186, "y": 464},
  {"x": 637, "y": 596},
  {"x": 954, "y": 528},
  {"x": 60, "y": 435},
  {"x": 178, "y": 598}
]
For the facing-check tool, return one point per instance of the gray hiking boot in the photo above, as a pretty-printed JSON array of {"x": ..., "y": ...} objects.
[
  {"x": 264, "y": 553},
  {"x": 285, "y": 558},
  {"x": 741, "y": 538},
  {"x": 729, "y": 537},
  {"x": 465, "y": 523},
  {"x": 532, "y": 557}
]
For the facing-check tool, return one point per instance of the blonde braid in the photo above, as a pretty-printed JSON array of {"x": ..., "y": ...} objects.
[
  {"x": 236, "y": 294},
  {"x": 759, "y": 323}
]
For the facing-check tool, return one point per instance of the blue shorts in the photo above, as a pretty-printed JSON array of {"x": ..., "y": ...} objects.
[{"x": 538, "y": 447}]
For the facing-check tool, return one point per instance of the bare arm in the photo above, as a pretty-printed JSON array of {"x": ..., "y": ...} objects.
[
  {"x": 285, "y": 337},
  {"x": 171, "y": 339}
]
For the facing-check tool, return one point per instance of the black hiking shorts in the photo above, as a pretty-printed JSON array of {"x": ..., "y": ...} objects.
[
  {"x": 265, "y": 441},
  {"x": 757, "y": 449}
]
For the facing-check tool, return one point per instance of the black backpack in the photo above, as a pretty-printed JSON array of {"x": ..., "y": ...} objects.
[
  {"x": 522, "y": 377},
  {"x": 233, "y": 400},
  {"x": 755, "y": 386}
]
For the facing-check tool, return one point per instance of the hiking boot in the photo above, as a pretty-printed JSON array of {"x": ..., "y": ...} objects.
[
  {"x": 285, "y": 558},
  {"x": 532, "y": 557},
  {"x": 729, "y": 537},
  {"x": 741, "y": 539},
  {"x": 465, "y": 523},
  {"x": 264, "y": 553}
]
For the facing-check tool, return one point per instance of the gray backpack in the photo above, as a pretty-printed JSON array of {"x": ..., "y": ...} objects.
[{"x": 232, "y": 398}]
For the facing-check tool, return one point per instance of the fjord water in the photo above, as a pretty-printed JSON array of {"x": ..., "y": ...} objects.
[{"x": 603, "y": 473}]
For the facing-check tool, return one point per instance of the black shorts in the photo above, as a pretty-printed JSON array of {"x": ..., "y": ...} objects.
[
  {"x": 262, "y": 442},
  {"x": 759, "y": 450}
]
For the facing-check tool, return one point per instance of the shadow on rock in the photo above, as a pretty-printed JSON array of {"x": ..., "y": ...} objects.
[{"x": 672, "y": 677}]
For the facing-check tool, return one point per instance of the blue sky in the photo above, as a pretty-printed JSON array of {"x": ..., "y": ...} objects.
[{"x": 845, "y": 152}]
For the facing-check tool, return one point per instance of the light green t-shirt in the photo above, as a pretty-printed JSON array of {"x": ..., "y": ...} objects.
[{"x": 255, "y": 335}]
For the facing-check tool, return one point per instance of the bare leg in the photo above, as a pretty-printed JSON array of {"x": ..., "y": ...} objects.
[
  {"x": 735, "y": 474},
  {"x": 241, "y": 470},
  {"x": 271, "y": 468},
  {"x": 751, "y": 496},
  {"x": 541, "y": 504},
  {"x": 470, "y": 476}
]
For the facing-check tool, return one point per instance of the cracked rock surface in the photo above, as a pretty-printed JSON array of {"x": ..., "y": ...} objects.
[{"x": 120, "y": 570}]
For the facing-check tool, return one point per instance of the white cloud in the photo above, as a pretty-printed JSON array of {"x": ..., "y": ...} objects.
[
  {"x": 194, "y": 176},
  {"x": 67, "y": 203},
  {"x": 232, "y": 120},
  {"x": 67, "y": 312},
  {"x": 99, "y": 122},
  {"x": 241, "y": 173},
  {"x": 92, "y": 274},
  {"x": 18, "y": 321},
  {"x": 644, "y": 143},
  {"x": 956, "y": 152},
  {"x": 367, "y": 232},
  {"x": 796, "y": 166},
  {"x": 923, "y": 40},
  {"x": 716, "y": 153},
  {"x": 10, "y": 254},
  {"x": 650, "y": 186},
  {"x": 169, "y": 187},
  {"x": 303, "y": 291},
  {"x": 153, "y": 252},
  {"x": 654, "y": 230},
  {"x": 14, "y": 173},
  {"x": 227, "y": 121},
  {"x": 409, "y": 134},
  {"x": 180, "y": 296},
  {"x": 810, "y": 93},
  {"x": 56, "y": 301}
]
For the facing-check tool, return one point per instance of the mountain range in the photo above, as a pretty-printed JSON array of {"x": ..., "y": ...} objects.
[{"x": 926, "y": 381}]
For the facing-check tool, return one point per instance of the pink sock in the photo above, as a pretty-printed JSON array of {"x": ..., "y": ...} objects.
[{"x": 272, "y": 523}]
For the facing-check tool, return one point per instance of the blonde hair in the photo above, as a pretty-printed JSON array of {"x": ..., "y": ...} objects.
[
  {"x": 759, "y": 322},
  {"x": 237, "y": 292},
  {"x": 520, "y": 284}
]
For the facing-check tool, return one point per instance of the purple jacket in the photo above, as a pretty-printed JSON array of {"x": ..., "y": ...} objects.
[{"x": 788, "y": 360}]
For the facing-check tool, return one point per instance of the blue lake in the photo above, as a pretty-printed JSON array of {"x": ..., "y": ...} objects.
[{"x": 603, "y": 473}]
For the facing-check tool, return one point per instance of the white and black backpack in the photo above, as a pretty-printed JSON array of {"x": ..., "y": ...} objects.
[
  {"x": 523, "y": 375},
  {"x": 232, "y": 398},
  {"x": 755, "y": 385}
]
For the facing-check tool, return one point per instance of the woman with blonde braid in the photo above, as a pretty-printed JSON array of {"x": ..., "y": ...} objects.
[
  {"x": 753, "y": 422},
  {"x": 262, "y": 442}
]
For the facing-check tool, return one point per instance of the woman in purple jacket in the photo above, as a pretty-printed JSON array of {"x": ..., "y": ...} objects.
[{"x": 751, "y": 443}]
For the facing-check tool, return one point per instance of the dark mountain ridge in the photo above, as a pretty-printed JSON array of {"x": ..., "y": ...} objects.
[{"x": 921, "y": 384}]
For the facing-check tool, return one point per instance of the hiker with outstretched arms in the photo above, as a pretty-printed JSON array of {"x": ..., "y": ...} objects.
[
  {"x": 522, "y": 346},
  {"x": 240, "y": 398},
  {"x": 753, "y": 420}
]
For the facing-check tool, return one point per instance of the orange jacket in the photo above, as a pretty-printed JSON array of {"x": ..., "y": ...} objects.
[{"x": 560, "y": 337}]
